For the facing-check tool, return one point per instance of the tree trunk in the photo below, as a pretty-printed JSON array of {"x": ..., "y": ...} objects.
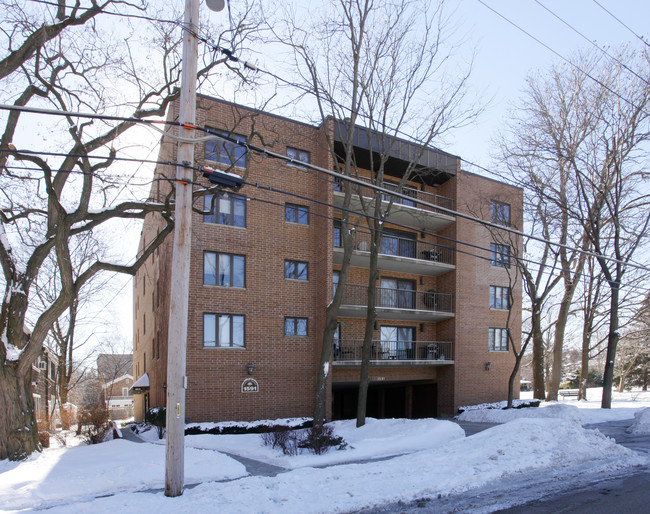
[
  {"x": 558, "y": 343},
  {"x": 539, "y": 387},
  {"x": 331, "y": 316},
  {"x": 584, "y": 365},
  {"x": 371, "y": 316},
  {"x": 612, "y": 342},
  {"x": 18, "y": 431}
]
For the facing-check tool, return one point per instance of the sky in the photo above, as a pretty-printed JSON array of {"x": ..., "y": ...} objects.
[
  {"x": 503, "y": 57},
  {"x": 534, "y": 452}
]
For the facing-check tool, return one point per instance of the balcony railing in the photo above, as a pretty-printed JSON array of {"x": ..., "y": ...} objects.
[
  {"x": 416, "y": 194},
  {"x": 350, "y": 350},
  {"x": 399, "y": 298},
  {"x": 399, "y": 246}
]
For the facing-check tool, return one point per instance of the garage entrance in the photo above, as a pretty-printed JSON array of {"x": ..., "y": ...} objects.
[{"x": 412, "y": 400}]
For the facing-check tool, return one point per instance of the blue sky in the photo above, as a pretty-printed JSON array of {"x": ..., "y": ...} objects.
[{"x": 505, "y": 55}]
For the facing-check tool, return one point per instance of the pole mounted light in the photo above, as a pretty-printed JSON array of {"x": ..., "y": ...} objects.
[{"x": 215, "y": 5}]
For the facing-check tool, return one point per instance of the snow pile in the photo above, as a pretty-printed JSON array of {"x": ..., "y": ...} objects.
[
  {"x": 549, "y": 446},
  {"x": 376, "y": 439},
  {"x": 549, "y": 410},
  {"x": 641, "y": 425},
  {"x": 499, "y": 405},
  {"x": 87, "y": 471},
  {"x": 250, "y": 425}
]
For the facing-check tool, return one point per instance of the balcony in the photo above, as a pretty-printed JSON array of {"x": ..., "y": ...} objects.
[
  {"x": 398, "y": 254},
  {"x": 405, "y": 211},
  {"x": 391, "y": 353},
  {"x": 398, "y": 304}
]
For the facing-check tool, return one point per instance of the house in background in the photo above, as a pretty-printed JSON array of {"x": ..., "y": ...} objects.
[
  {"x": 266, "y": 259},
  {"x": 44, "y": 384},
  {"x": 116, "y": 379}
]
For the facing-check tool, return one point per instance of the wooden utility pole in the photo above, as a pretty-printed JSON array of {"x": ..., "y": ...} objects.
[{"x": 180, "y": 273}]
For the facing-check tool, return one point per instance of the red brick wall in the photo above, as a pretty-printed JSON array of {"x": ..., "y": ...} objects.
[{"x": 285, "y": 367}]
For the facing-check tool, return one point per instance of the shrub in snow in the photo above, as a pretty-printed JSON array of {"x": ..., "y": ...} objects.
[
  {"x": 157, "y": 416},
  {"x": 315, "y": 439},
  {"x": 320, "y": 439},
  {"x": 68, "y": 415},
  {"x": 276, "y": 437},
  {"x": 93, "y": 424}
]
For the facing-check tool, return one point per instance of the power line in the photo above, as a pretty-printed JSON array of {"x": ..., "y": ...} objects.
[
  {"x": 111, "y": 13},
  {"x": 212, "y": 134},
  {"x": 408, "y": 227},
  {"x": 613, "y": 58},
  {"x": 568, "y": 61},
  {"x": 641, "y": 38}
]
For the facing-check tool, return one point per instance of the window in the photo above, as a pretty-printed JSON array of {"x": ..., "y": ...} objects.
[
  {"x": 226, "y": 152},
  {"x": 336, "y": 276},
  {"x": 499, "y": 297},
  {"x": 396, "y": 342},
  {"x": 397, "y": 293},
  {"x": 337, "y": 234},
  {"x": 223, "y": 269},
  {"x": 52, "y": 371},
  {"x": 337, "y": 341},
  {"x": 296, "y": 214},
  {"x": 295, "y": 270},
  {"x": 398, "y": 243},
  {"x": 225, "y": 209},
  {"x": 295, "y": 326},
  {"x": 498, "y": 340},
  {"x": 297, "y": 155},
  {"x": 499, "y": 255},
  {"x": 223, "y": 330},
  {"x": 125, "y": 391},
  {"x": 500, "y": 213}
]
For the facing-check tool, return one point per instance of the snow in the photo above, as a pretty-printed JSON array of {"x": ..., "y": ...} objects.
[
  {"x": 386, "y": 461},
  {"x": 83, "y": 472},
  {"x": 376, "y": 439},
  {"x": 624, "y": 406},
  {"x": 13, "y": 352},
  {"x": 641, "y": 423}
]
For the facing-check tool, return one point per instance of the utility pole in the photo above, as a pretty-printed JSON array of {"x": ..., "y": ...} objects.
[
  {"x": 181, "y": 256},
  {"x": 180, "y": 272}
]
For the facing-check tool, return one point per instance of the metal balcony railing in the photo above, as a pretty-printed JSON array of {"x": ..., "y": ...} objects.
[
  {"x": 399, "y": 246},
  {"x": 416, "y": 194},
  {"x": 350, "y": 350},
  {"x": 400, "y": 298}
]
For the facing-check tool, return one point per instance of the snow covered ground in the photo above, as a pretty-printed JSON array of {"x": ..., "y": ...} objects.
[{"x": 433, "y": 458}]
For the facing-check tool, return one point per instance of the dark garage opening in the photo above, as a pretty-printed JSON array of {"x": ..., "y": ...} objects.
[{"x": 413, "y": 400}]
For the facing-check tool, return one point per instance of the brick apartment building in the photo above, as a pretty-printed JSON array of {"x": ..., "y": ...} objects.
[{"x": 265, "y": 263}]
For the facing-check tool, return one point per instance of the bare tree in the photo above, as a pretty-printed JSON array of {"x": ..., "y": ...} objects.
[
  {"x": 577, "y": 137},
  {"x": 49, "y": 202},
  {"x": 372, "y": 67}
]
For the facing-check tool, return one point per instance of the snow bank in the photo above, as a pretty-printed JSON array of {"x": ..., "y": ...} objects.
[
  {"x": 641, "y": 425},
  {"x": 86, "y": 471},
  {"x": 376, "y": 439},
  {"x": 550, "y": 410},
  {"x": 524, "y": 445}
]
